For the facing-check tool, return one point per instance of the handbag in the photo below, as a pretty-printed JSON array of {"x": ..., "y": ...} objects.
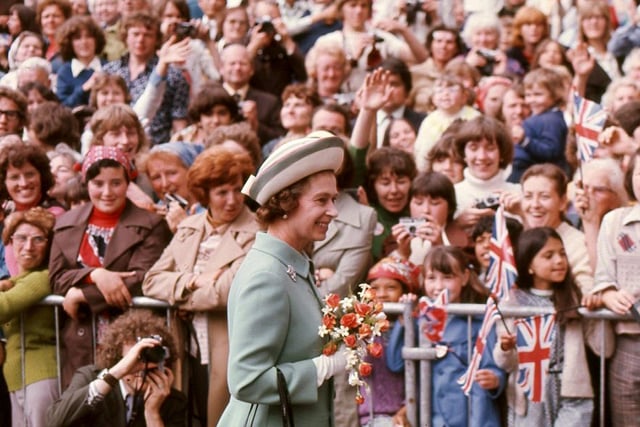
[
  {"x": 285, "y": 403},
  {"x": 285, "y": 400}
]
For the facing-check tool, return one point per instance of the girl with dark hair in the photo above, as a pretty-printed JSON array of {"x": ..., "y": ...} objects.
[
  {"x": 21, "y": 18},
  {"x": 81, "y": 42},
  {"x": 545, "y": 281},
  {"x": 447, "y": 269},
  {"x": 100, "y": 253},
  {"x": 209, "y": 109},
  {"x": 433, "y": 203}
]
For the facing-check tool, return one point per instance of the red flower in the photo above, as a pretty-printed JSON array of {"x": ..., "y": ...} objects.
[
  {"x": 375, "y": 349},
  {"x": 384, "y": 325},
  {"x": 365, "y": 369},
  {"x": 329, "y": 321},
  {"x": 363, "y": 309},
  {"x": 329, "y": 348},
  {"x": 349, "y": 320},
  {"x": 333, "y": 300},
  {"x": 364, "y": 331},
  {"x": 359, "y": 399},
  {"x": 350, "y": 341}
]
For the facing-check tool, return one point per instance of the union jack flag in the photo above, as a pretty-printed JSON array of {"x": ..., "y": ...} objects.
[
  {"x": 588, "y": 119},
  {"x": 490, "y": 316},
  {"x": 502, "y": 272},
  {"x": 435, "y": 316},
  {"x": 534, "y": 338}
]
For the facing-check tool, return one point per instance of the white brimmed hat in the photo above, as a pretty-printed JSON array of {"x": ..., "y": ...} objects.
[{"x": 295, "y": 160}]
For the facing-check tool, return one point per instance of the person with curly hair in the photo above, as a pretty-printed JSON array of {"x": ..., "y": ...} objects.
[{"x": 131, "y": 382}]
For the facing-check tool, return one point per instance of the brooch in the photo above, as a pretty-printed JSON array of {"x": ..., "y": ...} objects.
[{"x": 291, "y": 272}]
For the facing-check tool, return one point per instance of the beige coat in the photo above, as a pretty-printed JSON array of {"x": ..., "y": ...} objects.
[{"x": 171, "y": 275}]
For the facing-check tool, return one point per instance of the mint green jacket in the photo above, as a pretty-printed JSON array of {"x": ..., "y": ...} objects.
[{"x": 274, "y": 313}]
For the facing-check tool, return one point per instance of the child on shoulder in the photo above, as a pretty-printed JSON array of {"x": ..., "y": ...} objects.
[{"x": 545, "y": 132}]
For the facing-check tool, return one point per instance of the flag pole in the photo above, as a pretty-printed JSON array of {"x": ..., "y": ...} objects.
[{"x": 504, "y": 322}]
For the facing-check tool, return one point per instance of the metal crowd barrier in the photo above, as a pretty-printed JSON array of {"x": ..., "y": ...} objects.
[
  {"x": 56, "y": 302},
  {"x": 418, "y": 353}
]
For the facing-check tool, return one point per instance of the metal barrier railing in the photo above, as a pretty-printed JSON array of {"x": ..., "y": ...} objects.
[
  {"x": 56, "y": 302},
  {"x": 422, "y": 353},
  {"x": 417, "y": 356}
]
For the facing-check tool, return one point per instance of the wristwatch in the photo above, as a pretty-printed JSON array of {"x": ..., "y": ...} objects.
[{"x": 105, "y": 376}]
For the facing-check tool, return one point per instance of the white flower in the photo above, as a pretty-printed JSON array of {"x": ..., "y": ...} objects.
[
  {"x": 343, "y": 331},
  {"x": 354, "y": 379},
  {"x": 347, "y": 304},
  {"x": 327, "y": 310},
  {"x": 352, "y": 358},
  {"x": 364, "y": 287},
  {"x": 322, "y": 331}
]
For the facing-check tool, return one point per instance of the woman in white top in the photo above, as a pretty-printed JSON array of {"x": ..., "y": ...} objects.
[{"x": 485, "y": 146}]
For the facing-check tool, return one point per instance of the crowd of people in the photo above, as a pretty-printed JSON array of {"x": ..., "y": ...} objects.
[{"x": 241, "y": 160}]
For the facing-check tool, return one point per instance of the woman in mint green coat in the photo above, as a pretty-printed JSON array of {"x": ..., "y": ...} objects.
[{"x": 274, "y": 310}]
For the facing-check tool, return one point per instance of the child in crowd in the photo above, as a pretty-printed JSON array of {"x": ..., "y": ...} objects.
[
  {"x": 544, "y": 280},
  {"x": 481, "y": 237},
  {"x": 444, "y": 158},
  {"x": 384, "y": 399},
  {"x": 446, "y": 269},
  {"x": 545, "y": 132},
  {"x": 450, "y": 99},
  {"x": 432, "y": 205}
]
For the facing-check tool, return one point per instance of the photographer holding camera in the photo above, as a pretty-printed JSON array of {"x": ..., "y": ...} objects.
[
  {"x": 131, "y": 383},
  {"x": 276, "y": 59}
]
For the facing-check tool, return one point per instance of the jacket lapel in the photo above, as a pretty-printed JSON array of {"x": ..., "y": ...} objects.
[
  {"x": 72, "y": 227},
  {"x": 230, "y": 249},
  {"x": 126, "y": 234}
]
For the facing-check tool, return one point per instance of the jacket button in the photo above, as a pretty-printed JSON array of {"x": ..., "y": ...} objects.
[{"x": 81, "y": 332}]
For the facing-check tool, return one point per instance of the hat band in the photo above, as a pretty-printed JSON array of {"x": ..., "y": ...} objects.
[{"x": 264, "y": 177}]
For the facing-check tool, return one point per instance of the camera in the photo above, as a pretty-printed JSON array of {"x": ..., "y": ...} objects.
[
  {"x": 411, "y": 224},
  {"x": 490, "y": 202},
  {"x": 184, "y": 30},
  {"x": 172, "y": 197},
  {"x": 489, "y": 54},
  {"x": 156, "y": 354},
  {"x": 266, "y": 26}
]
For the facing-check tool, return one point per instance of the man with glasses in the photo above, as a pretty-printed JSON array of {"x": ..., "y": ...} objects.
[{"x": 13, "y": 111}]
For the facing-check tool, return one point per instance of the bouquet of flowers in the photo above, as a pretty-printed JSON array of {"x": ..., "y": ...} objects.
[{"x": 354, "y": 321}]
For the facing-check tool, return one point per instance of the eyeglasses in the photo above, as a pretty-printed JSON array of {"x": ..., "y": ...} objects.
[
  {"x": 23, "y": 238},
  {"x": 10, "y": 114}
]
